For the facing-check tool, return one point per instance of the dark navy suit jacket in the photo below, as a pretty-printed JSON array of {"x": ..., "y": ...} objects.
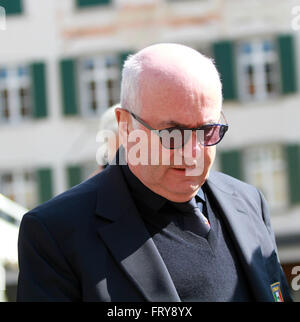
[{"x": 90, "y": 244}]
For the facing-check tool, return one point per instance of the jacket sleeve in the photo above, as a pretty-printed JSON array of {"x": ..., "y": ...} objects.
[
  {"x": 44, "y": 274},
  {"x": 266, "y": 218}
]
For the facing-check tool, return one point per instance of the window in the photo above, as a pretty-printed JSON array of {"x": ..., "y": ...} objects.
[
  {"x": 99, "y": 83},
  {"x": 258, "y": 69},
  {"x": 77, "y": 173},
  {"x": 20, "y": 186},
  {"x": 15, "y": 97},
  {"x": 265, "y": 168}
]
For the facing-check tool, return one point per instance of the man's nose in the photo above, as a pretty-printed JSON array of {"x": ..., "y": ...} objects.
[{"x": 192, "y": 150}]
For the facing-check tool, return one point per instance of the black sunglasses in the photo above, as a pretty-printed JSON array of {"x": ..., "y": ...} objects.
[{"x": 177, "y": 137}]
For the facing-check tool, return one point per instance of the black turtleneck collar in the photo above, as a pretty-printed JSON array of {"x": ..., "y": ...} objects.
[{"x": 146, "y": 196}]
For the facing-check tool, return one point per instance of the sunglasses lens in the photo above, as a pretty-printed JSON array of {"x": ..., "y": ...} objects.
[
  {"x": 209, "y": 135},
  {"x": 176, "y": 138},
  {"x": 223, "y": 129},
  {"x": 173, "y": 138},
  {"x": 212, "y": 134}
]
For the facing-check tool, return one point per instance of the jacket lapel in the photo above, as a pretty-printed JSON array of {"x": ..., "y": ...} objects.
[
  {"x": 242, "y": 228},
  {"x": 128, "y": 240}
]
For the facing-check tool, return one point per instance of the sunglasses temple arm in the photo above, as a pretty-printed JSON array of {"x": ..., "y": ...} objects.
[{"x": 222, "y": 113}]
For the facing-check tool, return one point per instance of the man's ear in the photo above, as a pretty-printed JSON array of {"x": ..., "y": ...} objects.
[
  {"x": 118, "y": 114},
  {"x": 122, "y": 116},
  {"x": 122, "y": 119}
]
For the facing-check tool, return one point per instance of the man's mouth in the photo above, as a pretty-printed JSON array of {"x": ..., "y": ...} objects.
[
  {"x": 181, "y": 169},
  {"x": 184, "y": 168},
  {"x": 188, "y": 171}
]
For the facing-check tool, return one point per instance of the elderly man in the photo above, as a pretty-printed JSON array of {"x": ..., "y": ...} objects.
[{"x": 156, "y": 231}]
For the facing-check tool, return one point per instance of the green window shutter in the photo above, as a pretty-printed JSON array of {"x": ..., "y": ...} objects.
[
  {"x": 223, "y": 52},
  {"x": 74, "y": 175},
  {"x": 287, "y": 62},
  {"x": 45, "y": 185},
  {"x": 39, "y": 97},
  {"x": 88, "y": 3},
  {"x": 68, "y": 86},
  {"x": 12, "y": 7},
  {"x": 293, "y": 166},
  {"x": 231, "y": 163}
]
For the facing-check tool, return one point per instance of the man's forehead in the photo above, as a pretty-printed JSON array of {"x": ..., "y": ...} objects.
[
  {"x": 173, "y": 90},
  {"x": 189, "y": 116},
  {"x": 178, "y": 96},
  {"x": 173, "y": 123}
]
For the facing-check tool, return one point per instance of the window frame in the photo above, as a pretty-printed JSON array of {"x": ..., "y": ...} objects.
[
  {"x": 19, "y": 186},
  {"x": 13, "y": 84},
  {"x": 267, "y": 166},
  {"x": 100, "y": 76},
  {"x": 257, "y": 59}
]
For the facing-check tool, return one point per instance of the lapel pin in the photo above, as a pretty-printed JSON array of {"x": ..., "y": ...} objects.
[{"x": 277, "y": 292}]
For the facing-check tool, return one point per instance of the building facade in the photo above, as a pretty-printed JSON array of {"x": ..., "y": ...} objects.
[{"x": 60, "y": 68}]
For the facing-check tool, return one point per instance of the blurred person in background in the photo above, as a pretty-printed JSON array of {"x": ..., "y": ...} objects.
[
  {"x": 156, "y": 232},
  {"x": 109, "y": 144}
]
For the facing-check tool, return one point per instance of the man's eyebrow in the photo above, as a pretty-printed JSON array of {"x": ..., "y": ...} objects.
[{"x": 167, "y": 124}]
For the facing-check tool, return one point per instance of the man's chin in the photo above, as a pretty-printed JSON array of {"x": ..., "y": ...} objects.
[
  {"x": 182, "y": 192},
  {"x": 183, "y": 187}
]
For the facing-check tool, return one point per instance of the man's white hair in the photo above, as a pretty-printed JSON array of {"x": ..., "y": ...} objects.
[{"x": 130, "y": 82}]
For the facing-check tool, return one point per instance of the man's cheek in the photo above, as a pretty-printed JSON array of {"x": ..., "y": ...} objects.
[
  {"x": 160, "y": 175},
  {"x": 209, "y": 156}
]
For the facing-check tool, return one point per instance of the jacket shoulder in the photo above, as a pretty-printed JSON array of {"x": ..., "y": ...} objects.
[
  {"x": 230, "y": 184},
  {"x": 70, "y": 207}
]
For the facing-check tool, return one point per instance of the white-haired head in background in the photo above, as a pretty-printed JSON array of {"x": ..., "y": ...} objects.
[{"x": 107, "y": 137}]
